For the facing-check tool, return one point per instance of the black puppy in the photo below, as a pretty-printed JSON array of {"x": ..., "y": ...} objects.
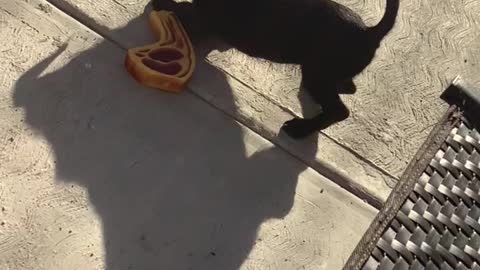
[{"x": 330, "y": 42}]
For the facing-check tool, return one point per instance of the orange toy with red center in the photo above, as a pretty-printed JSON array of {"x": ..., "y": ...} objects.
[{"x": 168, "y": 64}]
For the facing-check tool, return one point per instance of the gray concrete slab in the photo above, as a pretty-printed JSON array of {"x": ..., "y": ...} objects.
[
  {"x": 100, "y": 173},
  {"x": 262, "y": 110}
]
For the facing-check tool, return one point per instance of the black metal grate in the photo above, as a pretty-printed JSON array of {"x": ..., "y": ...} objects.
[{"x": 438, "y": 225}]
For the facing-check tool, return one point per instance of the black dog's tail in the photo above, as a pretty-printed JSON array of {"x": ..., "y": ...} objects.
[{"x": 388, "y": 20}]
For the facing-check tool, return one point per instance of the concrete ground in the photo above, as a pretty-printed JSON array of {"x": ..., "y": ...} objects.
[
  {"x": 98, "y": 172},
  {"x": 397, "y": 99}
]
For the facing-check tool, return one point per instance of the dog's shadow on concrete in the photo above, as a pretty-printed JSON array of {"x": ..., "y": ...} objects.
[{"x": 171, "y": 178}]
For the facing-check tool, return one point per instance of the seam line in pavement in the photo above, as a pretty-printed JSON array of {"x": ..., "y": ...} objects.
[
  {"x": 289, "y": 111},
  {"x": 98, "y": 29},
  {"x": 330, "y": 174},
  {"x": 357, "y": 155}
]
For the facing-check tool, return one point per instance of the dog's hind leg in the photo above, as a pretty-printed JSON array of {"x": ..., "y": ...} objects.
[{"x": 324, "y": 94}]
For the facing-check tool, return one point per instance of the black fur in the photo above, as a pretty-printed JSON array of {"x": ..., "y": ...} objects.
[{"x": 330, "y": 42}]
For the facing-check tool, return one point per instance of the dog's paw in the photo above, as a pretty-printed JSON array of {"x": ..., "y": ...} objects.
[{"x": 297, "y": 128}]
